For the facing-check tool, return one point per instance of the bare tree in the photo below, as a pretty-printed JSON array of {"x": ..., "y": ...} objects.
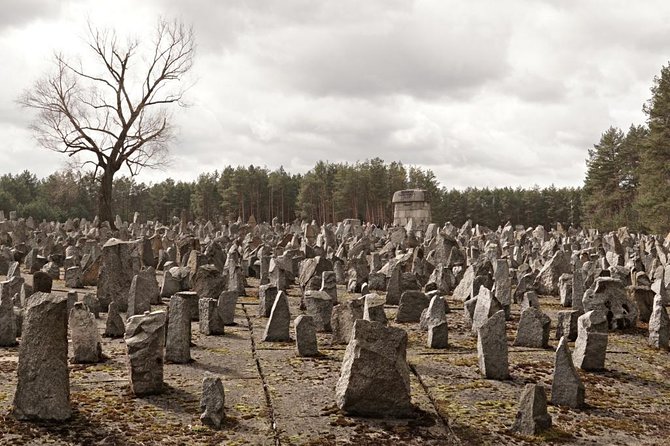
[{"x": 112, "y": 111}]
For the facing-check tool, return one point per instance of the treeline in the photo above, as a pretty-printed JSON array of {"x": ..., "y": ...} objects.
[
  {"x": 628, "y": 174},
  {"x": 328, "y": 192}
]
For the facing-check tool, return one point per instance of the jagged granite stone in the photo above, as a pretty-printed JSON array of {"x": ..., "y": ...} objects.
[
  {"x": 374, "y": 380},
  {"x": 659, "y": 325},
  {"x": 591, "y": 344},
  {"x": 492, "y": 347},
  {"x": 43, "y": 386},
  {"x": 266, "y": 298},
  {"x": 486, "y": 306},
  {"x": 412, "y": 304},
  {"x": 86, "y": 342},
  {"x": 305, "y": 336},
  {"x": 277, "y": 327},
  {"x": 114, "y": 326},
  {"x": 373, "y": 309},
  {"x": 343, "y": 318},
  {"x": 210, "y": 322},
  {"x": 178, "y": 343},
  {"x": 145, "y": 338},
  {"x": 227, "y": 304},
  {"x": 567, "y": 324},
  {"x": 319, "y": 305},
  {"x": 438, "y": 335},
  {"x": 533, "y": 329},
  {"x": 212, "y": 401},
  {"x": 566, "y": 388},
  {"x": 532, "y": 417}
]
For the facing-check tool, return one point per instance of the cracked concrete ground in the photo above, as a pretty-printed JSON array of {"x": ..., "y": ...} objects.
[{"x": 274, "y": 397}]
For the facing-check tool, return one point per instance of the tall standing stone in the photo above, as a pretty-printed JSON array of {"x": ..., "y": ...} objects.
[
  {"x": 210, "y": 322},
  {"x": 393, "y": 287},
  {"x": 114, "y": 326},
  {"x": 266, "y": 298},
  {"x": 305, "y": 336},
  {"x": 532, "y": 417},
  {"x": 178, "y": 345},
  {"x": 227, "y": 303},
  {"x": 412, "y": 304},
  {"x": 329, "y": 285},
  {"x": 343, "y": 318},
  {"x": 374, "y": 380},
  {"x": 659, "y": 325},
  {"x": 139, "y": 300},
  {"x": 212, "y": 401},
  {"x": 565, "y": 283},
  {"x": 319, "y": 305},
  {"x": 502, "y": 285},
  {"x": 492, "y": 347},
  {"x": 566, "y": 388},
  {"x": 7, "y": 318},
  {"x": 277, "y": 328},
  {"x": 373, "y": 309},
  {"x": 487, "y": 305},
  {"x": 120, "y": 263},
  {"x": 591, "y": 343},
  {"x": 43, "y": 387},
  {"x": 86, "y": 343},
  {"x": 533, "y": 329},
  {"x": 145, "y": 338}
]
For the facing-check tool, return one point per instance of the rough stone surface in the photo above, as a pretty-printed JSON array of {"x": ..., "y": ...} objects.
[
  {"x": 373, "y": 309},
  {"x": 43, "y": 388},
  {"x": 7, "y": 323},
  {"x": 567, "y": 324},
  {"x": 343, "y": 318},
  {"x": 139, "y": 299},
  {"x": 86, "y": 342},
  {"x": 566, "y": 388},
  {"x": 565, "y": 289},
  {"x": 178, "y": 343},
  {"x": 374, "y": 380},
  {"x": 533, "y": 329},
  {"x": 412, "y": 304},
  {"x": 438, "y": 335},
  {"x": 319, "y": 305},
  {"x": 114, "y": 327},
  {"x": 42, "y": 282},
  {"x": 591, "y": 344},
  {"x": 73, "y": 277},
  {"x": 212, "y": 401},
  {"x": 492, "y": 347},
  {"x": 277, "y": 327},
  {"x": 659, "y": 325},
  {"x": 210, "y": 322},
  {"x": 266, "y": 298},
  {"x": 145, "y": 338},
  {"x": 547, "y": 279},
  {"x": 227, "y": 304},
  {"x": 486, "y": 306},
  {"x": 609, "y": 295},
  {"x": 532, "y": 417},
  {"x": 305, "y": 336},
  {"x": 435, "y": 314},
  {"x": 120, "y": 263}
]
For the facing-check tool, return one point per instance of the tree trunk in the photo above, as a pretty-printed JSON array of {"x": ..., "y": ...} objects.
[{"x": 105, "y": 197}]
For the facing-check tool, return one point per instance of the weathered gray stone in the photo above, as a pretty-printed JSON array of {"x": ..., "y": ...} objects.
[
  {"x": 139, "y": 300},
  {"x": 435, "y": 314},
  {"x": 566, "y": 388},
  {"x": 393, "y": 290},
  {"x": 343, "y": 317},
  {"x": 643, "y": 297},
  {"x": 210, "y": 322},
  {"x": 610, "y": 295},
  {"x": 191, "y": 299},
  {"x": 178, "y": 344},
  {"x": 42, "y": 282},
  {"x": 43, "y": 387},
  {"x": 7, "y": 323},
  {"x": 532, "y": 417},
  {"x": 533, "y": 329},
  {"x": 502, "y": 285},
  {"x": 86, "y": 342},
  {"x": 577, "y": 289},
  {"x": 266, "y": 298},
  {"x": 329, "y": 285},
  {"x": 591, "y": 344},
  {"x": 73, "y": 277},
  {"x": 412, "y": 303},
  {"x": 528, "y": 300},
  {"x": 145, "y": 338},
  {"x": 492, "y": 347},
  {"x": 120, "y": 263},
  {"x": 546, "y": 281},
  {"x": 277, "y": 327},
  {"x": 374, "y": 380},
  {"x": 114, "y": 326},
  {"x": 305, "y": 336},
  {"x": 486, "y": 306},
  {"x": 567, "y": 324},
  {"x": 565, "y": 289},
  {"x": 212, "y": 401},
  {"x": 659, "y": 325},
  {"x": 172, "y": 280},
  {"x": 438, "y": 335},
  {"x": 463, "y": 290},
  {"x": 469, "y": 310},
  {"x": 373, "y": 309},
  {"x": 227, "y": 305},
  {"x": 208, "y": 282},
  {"x": 319, "y": 305}
]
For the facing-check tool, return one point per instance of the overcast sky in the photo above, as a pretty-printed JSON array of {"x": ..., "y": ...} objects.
[{"x": 483, "y": 92}]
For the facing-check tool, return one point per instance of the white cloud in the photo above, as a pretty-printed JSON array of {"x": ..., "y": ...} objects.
[{"x": 485, "y": 93}]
